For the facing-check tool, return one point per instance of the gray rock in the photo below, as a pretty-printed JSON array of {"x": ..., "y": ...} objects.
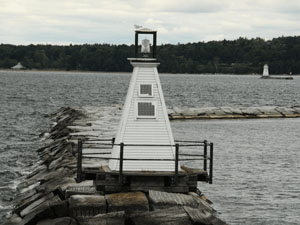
[
  {"x": 226, "y": 110},
  {"x": 115, "y": 218},
  {"x": 129, "y": 202},
  {"x": 200, "y": 216},
  {"x": 173, "y": 215},
  {"x": 14, "y": 220},
  {"x": 296, "y": 109},
  {"x": 86, "y": 205},
  {"x": 161, "y": 200},
  {"x": 269, "y": 110},
  {"x": 251, "y": 111},
  {"x": 285, "y": 111},
  {"x": 236, "y": 111},
  {"x": 219, "y": 112},
  {"x": 58, "y": 221}
]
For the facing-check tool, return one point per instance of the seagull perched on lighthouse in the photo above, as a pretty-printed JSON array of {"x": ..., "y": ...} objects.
[{"x": 138, "y": 27}]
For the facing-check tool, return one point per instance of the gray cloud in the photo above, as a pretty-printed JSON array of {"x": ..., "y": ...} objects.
[{"x": 111, "y": 21}]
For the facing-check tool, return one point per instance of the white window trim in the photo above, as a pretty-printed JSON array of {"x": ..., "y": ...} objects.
[
  {"x": 145, "y": 95},
  {"x": 145, "y": 117}
]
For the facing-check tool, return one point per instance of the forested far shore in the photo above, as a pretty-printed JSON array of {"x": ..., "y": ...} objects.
[{"x": 241, "y": 56}]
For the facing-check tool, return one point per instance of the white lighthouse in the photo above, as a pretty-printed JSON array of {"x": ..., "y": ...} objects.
[
  {"x": 266, "y": 71},
  {"x": 144, "y": 129}
]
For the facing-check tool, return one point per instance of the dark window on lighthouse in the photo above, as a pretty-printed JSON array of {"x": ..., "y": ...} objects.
[
  {"x": 146, "y": 109},
  {"x": 146, "y": 90}
]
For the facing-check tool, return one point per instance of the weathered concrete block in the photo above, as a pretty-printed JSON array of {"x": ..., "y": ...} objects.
[
  {"x": 218, "y": 111},
  {"x": 268, "y": 110},
  {"x": 58, "y": 221},
  {"x": 236, "y": 111},
  {"x": 226, "y": 110},
  {"x": 61, "y": 172},
  {"x": 14, "y": 220},
  {"x": 40, "y": 212},
  {"x": 174, "y": 216},
  {"x": 83, "y": 188},
  {"x": 296, "y": 109},
  {"x": 86, "y": 205},
  {"x": 115, "y": 218},
  {"x": 130, "y": 202},
  {"x": 162, "y": 200},
  {"x": 171, "y": 111},
  {"x": 51, "y": 185},
  {"x": 209, "y": 110},
  {"x": 37, "y": 170},
  {"x": 36, "y": 204},
  {"x": 195, "y": 112},
  {"x": 60, "y": 208},
  {"x": 253, "y": 111},
  {"x": 202, "y": 204},
  {"x": 29, "y": 188},
  {"x": 285, "y": 111},
  {"x": 200, "y": 216},
  {"x": 22, "y": 204}
]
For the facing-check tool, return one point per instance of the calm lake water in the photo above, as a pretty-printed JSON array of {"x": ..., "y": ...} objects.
[{"x": 256, "y": 164}]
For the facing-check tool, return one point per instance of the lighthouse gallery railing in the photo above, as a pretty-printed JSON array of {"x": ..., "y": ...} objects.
[{"x": 186, "y": 156}]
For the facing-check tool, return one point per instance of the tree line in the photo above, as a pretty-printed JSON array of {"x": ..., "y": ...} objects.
[{"x": 240, "y": 56}]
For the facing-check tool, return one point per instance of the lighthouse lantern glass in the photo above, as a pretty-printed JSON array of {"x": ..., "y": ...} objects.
[{"x": 145, "y": 46}]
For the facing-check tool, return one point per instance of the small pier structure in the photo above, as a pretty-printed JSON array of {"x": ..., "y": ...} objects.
[{"x": 144, "y": 155}]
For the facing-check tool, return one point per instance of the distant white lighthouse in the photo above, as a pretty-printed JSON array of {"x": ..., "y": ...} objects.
[{"x": 266, "y": 70}]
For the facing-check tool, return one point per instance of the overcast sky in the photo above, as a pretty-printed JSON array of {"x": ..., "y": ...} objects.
[{"x": 24, "y": 22}]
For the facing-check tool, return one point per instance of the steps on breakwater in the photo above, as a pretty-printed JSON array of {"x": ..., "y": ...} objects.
[{"x": 50, "y": 194}]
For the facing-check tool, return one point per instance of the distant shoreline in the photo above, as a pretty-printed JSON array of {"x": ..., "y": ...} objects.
[{"x": 128, "y": 73}]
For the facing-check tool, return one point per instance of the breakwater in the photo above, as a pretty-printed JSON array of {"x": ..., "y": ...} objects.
[
  {"x": 51, "y": 195},
  {"x": 234, "y": 112}
]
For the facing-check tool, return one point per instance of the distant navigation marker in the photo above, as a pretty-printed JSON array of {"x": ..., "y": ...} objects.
[{"x": 266, "y": 70}]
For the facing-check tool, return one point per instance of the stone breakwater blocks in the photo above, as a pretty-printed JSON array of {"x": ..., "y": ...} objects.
[
  {"x": 296, "y": 109},
  {"x": 58, "y": 221},
  {"x": 174, "y": 216},
  {"x": 235, "y": 113},
  {"x": 80, "y": 190},
  {"x": 86, "y": 205},
  {"x": 200, "y": 216},
  {"x": 162, "y": 200},
  {"x": 131, "y": 202},
  {"x": 288, "y": 112},
  {"x": 83, "y": 188},
  {"x": 115, "y": 218},
  {"x": 251, "y": 111}
]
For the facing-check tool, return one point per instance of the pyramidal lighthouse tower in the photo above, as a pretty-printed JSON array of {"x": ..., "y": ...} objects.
[{"x": 144, "y": 133}]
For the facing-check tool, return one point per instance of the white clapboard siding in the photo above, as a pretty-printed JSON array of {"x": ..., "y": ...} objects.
[{"x": 143, "y": 130}]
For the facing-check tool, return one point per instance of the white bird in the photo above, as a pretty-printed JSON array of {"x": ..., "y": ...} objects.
[{"x": 137, "y": 27}]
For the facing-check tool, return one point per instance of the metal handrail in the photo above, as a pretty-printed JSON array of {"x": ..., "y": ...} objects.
[{"x": 205, "y": 156}]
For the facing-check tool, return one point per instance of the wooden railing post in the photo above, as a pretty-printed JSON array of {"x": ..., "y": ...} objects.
[
  {"x": 121, "y": 163},
  {"x": 211, "y": 163},
  {"x": 79, "y": 162}
]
